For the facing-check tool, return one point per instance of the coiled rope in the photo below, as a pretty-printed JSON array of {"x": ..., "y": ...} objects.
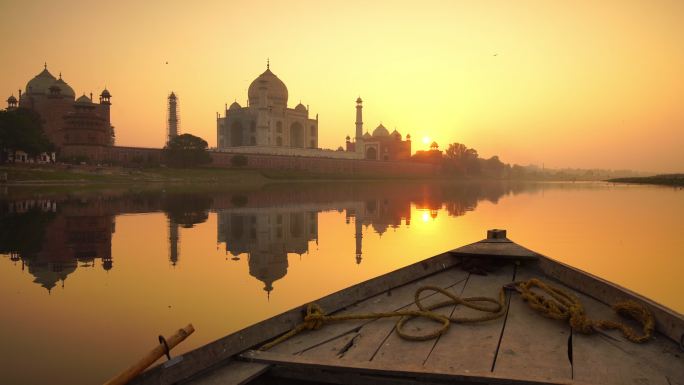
[{"x": 562, "y": 306}]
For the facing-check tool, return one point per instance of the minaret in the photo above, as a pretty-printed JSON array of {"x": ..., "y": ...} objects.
[
  {"x": 173, "y": 242},
  {"x": 359, "y": 118},
  {"x": 105, "y": 107},
  {"x": 11, "y": 102},
  {"x": 358, "y": 236},
  {"x": 172, "y": 123}
]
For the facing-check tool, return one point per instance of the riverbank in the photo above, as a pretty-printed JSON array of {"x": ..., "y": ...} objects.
[
  {"x": 67, "y": 175},
  {"x": 675, "y": 180}
]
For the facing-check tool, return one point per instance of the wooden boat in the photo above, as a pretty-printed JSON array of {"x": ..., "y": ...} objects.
[{"x": 521, "y": 347}]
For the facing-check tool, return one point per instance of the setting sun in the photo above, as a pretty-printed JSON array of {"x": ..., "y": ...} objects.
[{"x": 426, "y": 140}]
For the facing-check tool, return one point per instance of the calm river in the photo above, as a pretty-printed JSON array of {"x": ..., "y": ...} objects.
[{"x": 88, "y": 280}]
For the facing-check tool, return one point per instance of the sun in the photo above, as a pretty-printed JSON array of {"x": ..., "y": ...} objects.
[{"x": 426, "y": 140}]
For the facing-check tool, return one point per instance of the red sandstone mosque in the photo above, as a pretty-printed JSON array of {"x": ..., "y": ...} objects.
[{"x": 78, "y": 127}]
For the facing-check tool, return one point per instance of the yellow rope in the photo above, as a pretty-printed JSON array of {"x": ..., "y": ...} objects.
[
  {"x": 562, "y": 306},
  {"x": 565, "y": 306}
]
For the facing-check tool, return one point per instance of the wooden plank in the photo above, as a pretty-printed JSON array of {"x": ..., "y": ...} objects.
[
  {"x": 369, "y": 372},
  {"x": 668, "y": 322},
  {"x": 496, "y": 248},
  {"x": 219, "y": 351},
  {"x": 397, "y": 299},
  {"x": 532, "y": 344},
  {"x": 395, "y": 352},
  {"x": 472, "y": 347},
  {"x": 615, "y": 360},
  {"x": 234, "y": 373}
]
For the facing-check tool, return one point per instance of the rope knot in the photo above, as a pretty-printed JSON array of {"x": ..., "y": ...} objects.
[{"x": 315, "y": 317}]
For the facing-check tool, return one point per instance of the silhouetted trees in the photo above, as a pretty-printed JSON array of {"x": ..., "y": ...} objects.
[
  {"x": 21, "y": 130},
  {"x": 186, "y": 151}
]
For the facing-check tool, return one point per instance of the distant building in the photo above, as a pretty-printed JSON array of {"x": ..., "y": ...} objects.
[
  {"x": 382, "y": 145},
  {"x": 266, "y": 121},
  {"x": 77, "y": 127},
  {"x": 267, "y": 126},
  {"x": 434, "y": 155}
]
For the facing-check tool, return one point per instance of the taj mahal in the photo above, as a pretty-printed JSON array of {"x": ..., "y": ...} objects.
[{"x": 266, "y": 125}]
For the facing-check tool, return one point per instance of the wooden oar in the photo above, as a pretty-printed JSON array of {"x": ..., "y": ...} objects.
[{"x": 150, "y": 358}]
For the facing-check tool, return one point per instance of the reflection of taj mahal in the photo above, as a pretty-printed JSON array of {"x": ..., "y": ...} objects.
[
  {"x": 267, "y": 126},
  {"x": 267, "y": 235}
]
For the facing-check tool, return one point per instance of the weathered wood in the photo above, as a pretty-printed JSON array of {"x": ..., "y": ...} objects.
[
  {"x": 472, "y": 346},
  {"x": 495, "y": 248},
  {"x": 217, "y": 352},
  {"x": 531, "y": 343},
  {"x": 369, "y": 372},
  {"x": 372, "y": 336},
  {"x": 395, "y": 352},
  {"x": 152, "y": 356},
  {"x": 392, "y": 300},
  {"x": 616, "y": 360},
  {"x": 668, "y": 322},
  {"x": 233, "y": 373}
]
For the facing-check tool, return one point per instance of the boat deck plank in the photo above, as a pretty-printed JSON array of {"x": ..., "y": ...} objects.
[
  {"x": 472, "y": 346},
  {"x": 531, "y": 343},
  {"x": 387, "y": 301},
  {"x": 396, "y": 352},
  {"x": 613, "y": 359}
]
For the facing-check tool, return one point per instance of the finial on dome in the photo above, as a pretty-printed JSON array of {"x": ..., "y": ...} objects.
[
  {"x": 60, "y": 76},
  {"x": 45, "y": 65},
  {"x": 268, "y": 63}
]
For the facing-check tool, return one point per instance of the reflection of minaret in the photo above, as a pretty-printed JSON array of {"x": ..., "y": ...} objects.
[
  {"x": 358, "y": 235},
  {"x": 173, "y": 242}
]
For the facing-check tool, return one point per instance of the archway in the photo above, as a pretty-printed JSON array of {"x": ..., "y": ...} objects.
[
  {"x": 372, "y": 153},
  {"x": 236, "y": 134},
  {"x": 296, "y": 135}
]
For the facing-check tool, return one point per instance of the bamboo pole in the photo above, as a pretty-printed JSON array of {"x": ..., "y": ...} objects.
[{"x": 150, "y": 358}]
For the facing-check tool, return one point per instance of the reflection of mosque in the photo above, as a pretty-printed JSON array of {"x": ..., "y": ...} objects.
[
  {"x": 267, "y": 235},
  {"x": 81, "y": 233}
]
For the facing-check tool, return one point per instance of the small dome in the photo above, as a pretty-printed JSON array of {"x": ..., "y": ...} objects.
[
  {"x": 380, "y": 131},
  {"x": 367, "y": 135},
  {"x": 83, "y": 100},
  {"x": 358, "y": 100},
  {"x": 396, "y": 134},
  {"x": 105, "y": 94},
  {"x": 11, "y": 99},
  {"x": 40, "y": 83},
  {"x": 276, "y": 91},
  {"x": 64, "y": 88},
  {"x": 300, "y": 107},
  {"x": 172, "y": 96},
  {"x": 408, "y": 136},
  {"x": 434, "y": 145},
  {"x": 235, "y": 106}
]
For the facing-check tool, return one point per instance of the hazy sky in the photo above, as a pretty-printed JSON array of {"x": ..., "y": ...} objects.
[{"x": 567, "y": 84}]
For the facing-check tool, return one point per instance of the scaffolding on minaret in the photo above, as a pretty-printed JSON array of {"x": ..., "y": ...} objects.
[{"x": 172, "y": 124}]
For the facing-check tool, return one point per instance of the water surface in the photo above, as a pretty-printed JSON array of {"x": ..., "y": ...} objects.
[{"x": 87, "y": 281}]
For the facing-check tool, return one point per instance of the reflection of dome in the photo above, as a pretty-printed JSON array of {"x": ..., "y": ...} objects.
[
  {"x": 268, "y": 267},
  {"x": 64, "y": 88},
  {"x": 300, "y": 107},
  {"x": 235, "y": 106},
  {"x": 40, "y": 83},
  {"x": 380, "y": 131},
  {"x": 276, "y": 91},
  {"x": 379, "y": 228},
  {"x": 47, "y": 274}
]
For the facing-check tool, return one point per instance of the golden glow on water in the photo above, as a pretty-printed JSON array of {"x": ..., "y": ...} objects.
[
  {"x": 569, "y": 84},
  {"x": 100, "y": 320}
]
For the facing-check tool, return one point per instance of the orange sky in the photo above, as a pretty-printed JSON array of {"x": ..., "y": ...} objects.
[{"x": 573, "y": 84}]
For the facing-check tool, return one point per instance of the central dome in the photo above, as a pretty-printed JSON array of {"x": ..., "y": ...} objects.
[
  {"x": 40, "y": 83},
  {"x": 276, "y": 92}
]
